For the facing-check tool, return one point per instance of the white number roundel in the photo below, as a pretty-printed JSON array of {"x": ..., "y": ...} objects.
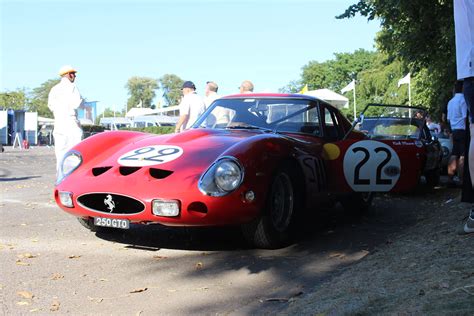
[
  {"x": 150, "y": 155},
  {"x": 371, "y": 166}
]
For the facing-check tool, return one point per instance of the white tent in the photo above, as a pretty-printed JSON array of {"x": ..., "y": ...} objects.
[
  {"x": 139, "y": 112},
  {"x": 331, "y": 97}
]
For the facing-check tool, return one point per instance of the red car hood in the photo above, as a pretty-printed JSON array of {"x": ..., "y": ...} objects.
[{"x": 199, "y": 148}]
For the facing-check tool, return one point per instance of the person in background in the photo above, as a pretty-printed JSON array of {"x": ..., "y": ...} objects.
[
  {"x": 190, "y": 108},
  {"x": 464, "y": 31},
  {"x": 457, "y": 113},
  {"x": 63, "y": 100},
  {"x": 432, "y": 126},
  {"x": 211, "y": 93},
  {"x": 246, "y": 87}
]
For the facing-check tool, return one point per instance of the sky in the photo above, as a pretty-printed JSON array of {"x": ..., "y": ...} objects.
[{"x": 110, "y": 41}]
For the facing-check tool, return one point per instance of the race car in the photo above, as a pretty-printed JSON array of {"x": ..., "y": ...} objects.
[
  {"x": 402, "y": 123},
  {"x": 260, "y": 161}
]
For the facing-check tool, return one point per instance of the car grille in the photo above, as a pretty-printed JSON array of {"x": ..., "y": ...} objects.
[{"x": 110, "y": 203}]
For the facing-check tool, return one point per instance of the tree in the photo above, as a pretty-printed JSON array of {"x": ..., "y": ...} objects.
[
  {"x": 141, "y": 91},
  {"x": 38, "y": 100},
  {"x": 171, "y": 85},
  {"x": 335, "y": 74},
  {"x": 421, "y": 34},
  {"x": 15, "y": 100}
]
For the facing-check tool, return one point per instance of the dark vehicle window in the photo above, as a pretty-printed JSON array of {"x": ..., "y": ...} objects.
[{"x": 332, "y": 129}]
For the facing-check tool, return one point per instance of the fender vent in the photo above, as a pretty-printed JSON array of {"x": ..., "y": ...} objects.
[
  {"x": 159, "y": 173},
  {"x": 125, "y": 171},
  {"x": 99, "y": 170}
]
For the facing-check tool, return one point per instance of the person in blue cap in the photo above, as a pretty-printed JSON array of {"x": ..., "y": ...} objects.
[{"x": 190, "y": 108}]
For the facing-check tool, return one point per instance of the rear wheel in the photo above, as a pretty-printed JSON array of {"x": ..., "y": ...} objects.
[{"x": 275, "y": 226}]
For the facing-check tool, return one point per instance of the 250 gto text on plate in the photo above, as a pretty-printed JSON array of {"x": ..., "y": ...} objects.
[{"x": 112, "y": 222}]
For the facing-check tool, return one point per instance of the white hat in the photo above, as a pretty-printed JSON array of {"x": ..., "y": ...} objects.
[{"x": 66, "y": 69}]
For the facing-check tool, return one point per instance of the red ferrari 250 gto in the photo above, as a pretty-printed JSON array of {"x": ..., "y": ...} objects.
[{"x": 255, "y": 160}]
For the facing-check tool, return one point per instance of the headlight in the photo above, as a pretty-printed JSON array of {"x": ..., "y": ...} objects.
[
  {"x": 70, "y": 162},
  {"x": 223, "y": 177}
]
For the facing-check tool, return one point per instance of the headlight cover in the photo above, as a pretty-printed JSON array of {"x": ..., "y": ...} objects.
[
  {"x": 223, "y": 177},
  {"x": 70, "y": 162}
]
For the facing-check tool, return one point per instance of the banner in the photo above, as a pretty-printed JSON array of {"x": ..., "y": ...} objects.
[
  {"x": 349, "y": 87},
  {"x": 404, "y": 80},
  {"x": 89, "y": 112},
  {"x": 304, "y": 89}
]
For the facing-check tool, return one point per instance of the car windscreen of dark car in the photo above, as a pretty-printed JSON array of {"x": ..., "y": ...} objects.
[{"x": 276, "y": 114}]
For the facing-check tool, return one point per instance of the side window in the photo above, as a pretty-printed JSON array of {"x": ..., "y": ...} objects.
[{"x": 332, "y": 130}]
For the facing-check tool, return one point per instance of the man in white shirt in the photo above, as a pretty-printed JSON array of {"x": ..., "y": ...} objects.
[
  {"x": 190, "y": 108},
  {"x": 211, "y": 93},
  {"x": 63, "y": 100},
  {"x": 464, "y": 31},
  {"x": 457, "y": 113}
]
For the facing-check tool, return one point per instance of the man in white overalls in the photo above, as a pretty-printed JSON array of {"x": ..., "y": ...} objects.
[{"x": 64, "y": 99}]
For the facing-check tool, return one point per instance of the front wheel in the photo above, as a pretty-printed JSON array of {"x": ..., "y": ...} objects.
[{"x": 274, "y": 228}]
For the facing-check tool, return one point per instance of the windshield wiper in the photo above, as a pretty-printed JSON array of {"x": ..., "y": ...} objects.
[{"x": 243, "y": 127}]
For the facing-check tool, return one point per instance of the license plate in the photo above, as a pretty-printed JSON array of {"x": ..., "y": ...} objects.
[{"x": 112, "y": 222}]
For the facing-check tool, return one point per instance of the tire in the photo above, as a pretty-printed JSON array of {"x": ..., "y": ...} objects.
[
  {"x": 358, "y": 203},
  {"x": 275, "y": 227},
  {"x": 432, "y": 177}
]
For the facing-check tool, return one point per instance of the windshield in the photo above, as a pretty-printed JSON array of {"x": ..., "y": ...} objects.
[
  {"x": 393, "y": 122},
  {"x": 276, "y": 114}
]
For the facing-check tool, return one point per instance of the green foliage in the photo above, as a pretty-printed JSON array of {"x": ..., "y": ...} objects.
[
  {"x": 15, "y": 100},
  {"x": 141, "y": 91},
  {"x": 39, "y": 98},
  {"x": 154, "y": 129},
  {"x": 421, "y": 35},
  {"x": 171, "y": 84},
  {"x": 336, "y": 74}
]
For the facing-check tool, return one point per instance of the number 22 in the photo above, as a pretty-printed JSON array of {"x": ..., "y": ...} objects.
[{"x": 378, "y": 179}]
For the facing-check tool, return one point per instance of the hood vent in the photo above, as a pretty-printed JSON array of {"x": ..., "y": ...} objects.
[
  {"x": 99, "y": 170},
  {"x": 159, "y": 173},
  {"x": 125, "y": 171}
]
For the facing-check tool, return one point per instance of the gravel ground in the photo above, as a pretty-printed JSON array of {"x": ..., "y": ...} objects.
[{"x": 428, "y": 269}]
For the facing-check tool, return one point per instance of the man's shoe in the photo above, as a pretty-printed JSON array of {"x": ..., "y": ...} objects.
[{"x": 469, "y": 225}]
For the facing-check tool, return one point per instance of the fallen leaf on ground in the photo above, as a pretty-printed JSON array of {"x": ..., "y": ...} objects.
[
  {"x": 34, "y": 310},
  {"x": 198, "y": 265},
  {"x": 25, "y": 294},
  {"x": 139, "y": 290},
  {"x": 57, "y": 276},
  {"x": 27, "y": 255},
  {"x": 74, "y": 257},
  {"x": 55, "y": 306},
  {"x": 21, "y": 263},
  {"x": 159, "y": 257},
  {"x": 22, "y": 303}
]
